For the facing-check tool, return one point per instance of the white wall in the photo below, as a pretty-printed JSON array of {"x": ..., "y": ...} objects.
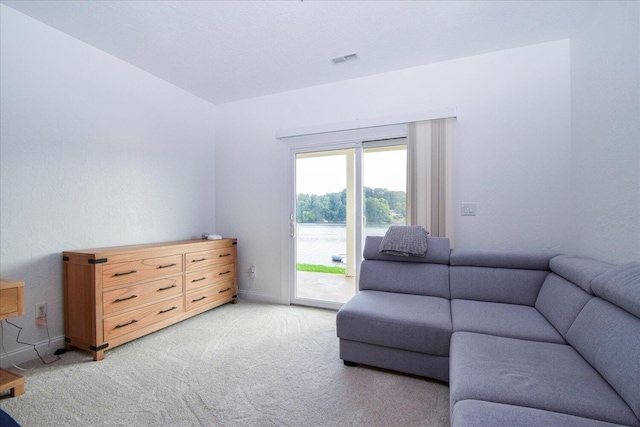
[
  {"x": 512, "y": 152},
  {"x": 605, "y": 132},
  {"x": 94, "y": 152}
]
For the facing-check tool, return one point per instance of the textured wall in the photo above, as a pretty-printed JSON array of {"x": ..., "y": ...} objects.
[
  {"x": 605, "y": 132},
  {"x": 512, "y": 152},
  {"x": 94, "y": 153}
]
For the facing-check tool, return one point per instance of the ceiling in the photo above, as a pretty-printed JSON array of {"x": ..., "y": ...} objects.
[{"x": 223, "y": 51}]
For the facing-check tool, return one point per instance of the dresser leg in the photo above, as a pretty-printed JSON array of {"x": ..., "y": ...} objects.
[
  {"x": 98, "y": 355},
  {"x": 17, "y": 390},
  {"x": 235, "y": 299},
  {"x": 12, "y": 382}
]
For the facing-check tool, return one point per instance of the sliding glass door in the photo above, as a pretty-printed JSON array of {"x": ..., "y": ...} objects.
[
  {"x": 325, "y": 226},
  {"x": 340, "y": 196}
]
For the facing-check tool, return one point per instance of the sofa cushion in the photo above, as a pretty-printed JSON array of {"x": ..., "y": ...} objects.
[
  {"x": 621, "y": 286},
  {"x": 609, "y": 339},
  {"x": 560, "y": 301},
  {"x": 482, "y": 413},
  {"x": 505, "y": 320},
  {"x": 506, "y": 285},
  {"x": 547, "y": 376},
  {"x": 408, "y": 278},
  {"x": 501, "y": 259},
  {"x": 409, "y": 322},
  {"x": 579, "y": 270},
  {"x": 438, "y": 251}
]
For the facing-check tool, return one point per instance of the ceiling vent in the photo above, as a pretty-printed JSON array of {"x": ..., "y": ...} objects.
[{"x": 341, "y": 59}]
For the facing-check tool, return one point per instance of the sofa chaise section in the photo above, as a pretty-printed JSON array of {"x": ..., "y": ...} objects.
[{"x": 401, "y": 318}]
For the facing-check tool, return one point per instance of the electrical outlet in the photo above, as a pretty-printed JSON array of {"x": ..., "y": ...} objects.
[{"x": 41, "y": 310}]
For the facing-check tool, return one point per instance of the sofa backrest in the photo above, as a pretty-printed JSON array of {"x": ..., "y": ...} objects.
[
  {"x": 438, "y": 251},
  {"x": 497, "y": 276},
  {"x": 428, "y": 275},
  {"x": 567, "y": 289},
  {"x": 607, "y": 331},
  {"x": 578, "y": 269},
  {"x": 621, "y": 286},
  {"x": 560, "y": 301}
]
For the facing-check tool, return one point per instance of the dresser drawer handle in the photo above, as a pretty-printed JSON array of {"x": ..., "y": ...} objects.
[
  {"x": 224, "y": 272},
  {"x": 224, "y": 290},
  {"x": 198, "y": 260},
  {"x": 197, "y": 280},
  {"x": 167, "y": 266},
  {"x": 126, "y": 324},
  {"x": 168, "y": 287},
  {"x": 167, "y": 310},
  {"x": 223, "y": 255},
  {"x": 125, "y": 273},
  {"x": 199, "y": 299},
  {"x": 124, "y": 299}
]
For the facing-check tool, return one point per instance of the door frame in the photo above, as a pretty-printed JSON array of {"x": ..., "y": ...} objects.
[
  {"x": 291, "y": 263},
  {"x": 327, "y": 141}
]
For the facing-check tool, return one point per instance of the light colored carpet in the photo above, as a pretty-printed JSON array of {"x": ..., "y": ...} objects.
[{"x": 245, "y": 364}]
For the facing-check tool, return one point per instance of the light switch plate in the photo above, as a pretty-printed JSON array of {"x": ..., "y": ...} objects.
[{"x": 468, "y": 209}]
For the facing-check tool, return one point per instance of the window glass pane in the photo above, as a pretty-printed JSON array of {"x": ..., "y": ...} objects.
[{"x": 385, "y": 184}]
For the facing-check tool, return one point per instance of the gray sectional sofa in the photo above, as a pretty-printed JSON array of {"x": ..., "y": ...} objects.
[{"x": 524, "y": 339}]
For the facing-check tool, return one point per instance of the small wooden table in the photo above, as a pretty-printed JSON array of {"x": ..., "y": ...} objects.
[{"x": 11, "y": 305}]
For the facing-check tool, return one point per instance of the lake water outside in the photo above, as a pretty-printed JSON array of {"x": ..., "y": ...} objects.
[{"x": 318, "y": 242}]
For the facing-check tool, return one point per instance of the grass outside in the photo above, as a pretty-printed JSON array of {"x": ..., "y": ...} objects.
[{"x": 320, "y": 269}]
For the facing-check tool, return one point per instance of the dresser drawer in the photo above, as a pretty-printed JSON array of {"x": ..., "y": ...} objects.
[
  {"x": 143, "y": 269},
  {"x": 123, "y": 298},
  {"x": 211, "y": 295},
  {"x": 137, "y": 319},
  {"x": 198, "y": 260},
  {"x": 9, "y": 302},
  {"x": 11, "y": 298},
  {"x": 209, "y": 276}
]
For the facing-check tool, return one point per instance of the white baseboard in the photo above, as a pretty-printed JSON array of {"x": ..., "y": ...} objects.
[
  {"x": 260, "y": 297},
  {"x": 27, "y": 353}
]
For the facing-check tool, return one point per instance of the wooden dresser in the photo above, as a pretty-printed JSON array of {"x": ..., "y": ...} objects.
[
  {"x": 11, "y": 305},
  {"x": 117, "y": 294}
]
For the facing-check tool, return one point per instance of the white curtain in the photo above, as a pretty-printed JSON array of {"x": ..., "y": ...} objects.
[{"x": 429, "y": 176}]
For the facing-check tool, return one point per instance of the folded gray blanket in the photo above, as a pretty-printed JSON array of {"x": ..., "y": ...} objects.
[{"x": 404, "y": 240}]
